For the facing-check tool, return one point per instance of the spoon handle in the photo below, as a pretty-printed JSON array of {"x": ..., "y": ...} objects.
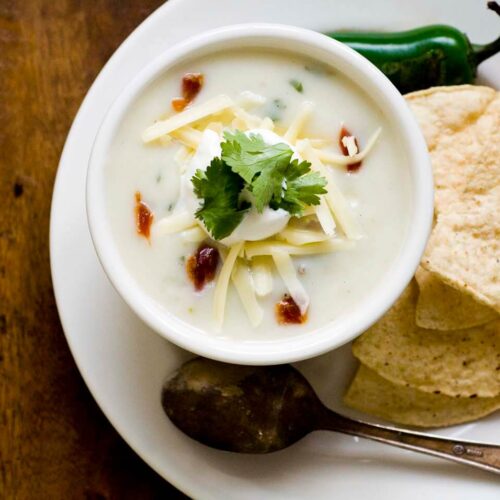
[{"x": 481, "y": 455}]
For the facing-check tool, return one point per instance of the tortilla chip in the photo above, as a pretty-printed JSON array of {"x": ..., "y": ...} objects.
[
  {"x": 445, "y": 116},
  {"x": 441, "y": 307},
  {"x": 457, "y": 363},
  {"x": 462, "y": 127},
  {"x": 464, "y": 249},
  {"x": 464, "y": 252},
  {"x": 441, "y": 111},
  {"x": 373, "y": 394}
]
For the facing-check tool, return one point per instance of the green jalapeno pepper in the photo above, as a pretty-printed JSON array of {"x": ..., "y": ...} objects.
[{"x": 423, "y": 57}]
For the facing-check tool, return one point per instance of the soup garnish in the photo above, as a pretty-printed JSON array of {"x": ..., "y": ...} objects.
[
  {"x": 202, "y": 265},
  {"x": 143, "y": 216},
  {"x": 349, "y": 146},
  {"x": 192, "y": 84},
  {"x": 288, "y": 312}
]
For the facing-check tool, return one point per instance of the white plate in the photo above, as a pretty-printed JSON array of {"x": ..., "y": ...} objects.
[{"x": 124, "y": 363}]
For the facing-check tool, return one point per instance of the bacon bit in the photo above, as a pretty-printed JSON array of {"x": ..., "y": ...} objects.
[
  {"x": 202, "y": 265},
  {"x": 179, "y": 103},
  {"x": 288, "y": 312},
  {"x": 353, "y": 167},
  {"x": 143, "y": 217},
  {"x": 191, "y": 86}
]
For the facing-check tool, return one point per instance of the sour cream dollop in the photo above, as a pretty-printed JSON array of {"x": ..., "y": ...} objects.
[{"x": 254, "y": 226}]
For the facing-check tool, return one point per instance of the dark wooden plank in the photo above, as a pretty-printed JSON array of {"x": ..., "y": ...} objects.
[{"x": 54, "y": 441}]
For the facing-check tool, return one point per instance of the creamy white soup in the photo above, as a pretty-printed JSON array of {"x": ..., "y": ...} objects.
[{"x": 257, "y": 194}]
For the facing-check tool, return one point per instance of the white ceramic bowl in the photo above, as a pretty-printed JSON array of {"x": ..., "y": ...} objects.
[{"x": 290, "y": 348}]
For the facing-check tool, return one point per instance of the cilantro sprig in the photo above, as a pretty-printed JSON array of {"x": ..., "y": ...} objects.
[
  {"x": 262, "y": 166},
  {"x": 220, "y": 188},
  {"x": 266, "y": 171},
  {"x": 302, "y": 188}
]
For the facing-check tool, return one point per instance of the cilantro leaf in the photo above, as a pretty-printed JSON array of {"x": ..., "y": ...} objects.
[
  {"x": 302, "y": 191},
  {"x": 269, "y": 172},
  {"x": 261, "y": 165},
  {"x": 249, "y": 155},
  {"x": 269, "y": 185},
  {"x": 219, "y": 187},
  {"x": 296, "y": 169}
]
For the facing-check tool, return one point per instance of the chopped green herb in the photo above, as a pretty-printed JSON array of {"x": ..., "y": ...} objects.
[
  {"x": 267, "y": 171},
  {"x": 262, "y": 166},
  {"x": 250, "y": 155},
  {"x": 301, "y": 189},
  {"x": 158, "y": 178},
  {"x": 279, "y": 104},
  {"x": 219, "y": 187},
  {"x": 318, "y": 69},
  {"x": 170, "y": 207},
  {"x": 275, "y": 109},
  {"x": 297, "y": 85}
]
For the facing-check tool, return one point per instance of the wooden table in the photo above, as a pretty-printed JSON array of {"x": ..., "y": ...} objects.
[{"x": 54, "y": 441}]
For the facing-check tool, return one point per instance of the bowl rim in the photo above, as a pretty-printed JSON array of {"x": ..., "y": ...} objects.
[{"x": 290, "y": 348}]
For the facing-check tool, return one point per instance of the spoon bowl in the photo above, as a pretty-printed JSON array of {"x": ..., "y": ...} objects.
[{"x": 244, "y": 409}]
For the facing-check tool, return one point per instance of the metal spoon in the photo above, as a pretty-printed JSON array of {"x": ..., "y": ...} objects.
[{"x": 261, "y": 409}]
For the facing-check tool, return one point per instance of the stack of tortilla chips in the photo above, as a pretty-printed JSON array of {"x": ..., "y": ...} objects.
[{"x": 434, "y": 359}]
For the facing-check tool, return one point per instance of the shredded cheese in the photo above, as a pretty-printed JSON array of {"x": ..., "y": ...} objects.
[
  {"x": 242, "y": 280},
  {"x": 174, "y": 224},
  {"x": 194, "y": 235},
  {"x": 182, "y": 156},
  {"x": 301, "y": 236},
  {"x": 348, "y": 160},
  {"x": 220, "y": 294},
  {"x": 188, "y": 136},
  {"x": 320, "y": 143},
  {"x": 286, "y": 270},
  {"x": 217, "y": 127},
  {"x": 262, "y": 274},
  {"x": 166, "y": 140},
  {"x": 248, "y": 99},
  {"x": 250, "y": 121},
  {"x": 187, "y": 117},
  {"x": 254, "y": 248},
  {"x": 308, "y": 211},
  {"x": 239, "y": 124},
  {"x": 334, "y": 197},
  {"x": 325, "y": 217},
  {"x": 298, "y": 122},
  {"x": 267, "y": 124}
]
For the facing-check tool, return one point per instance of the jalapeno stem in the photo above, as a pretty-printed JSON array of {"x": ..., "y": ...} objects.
[
  {"x": 482, "y": 52},
  {"x": 494, "y": 7}
]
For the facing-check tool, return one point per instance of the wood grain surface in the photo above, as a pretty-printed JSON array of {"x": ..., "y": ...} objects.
[{"x": 54, "y": 441}]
